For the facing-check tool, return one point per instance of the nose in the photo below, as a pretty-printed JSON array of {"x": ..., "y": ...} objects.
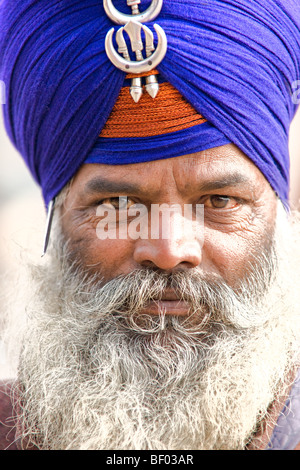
[{"x": 178, "y": 246}]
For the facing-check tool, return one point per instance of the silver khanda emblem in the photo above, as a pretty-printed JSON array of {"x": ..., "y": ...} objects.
[{"x": 133, "y": 27}]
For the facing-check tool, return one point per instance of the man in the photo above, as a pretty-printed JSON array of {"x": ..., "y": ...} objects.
[{"x": 166, "y": 309}]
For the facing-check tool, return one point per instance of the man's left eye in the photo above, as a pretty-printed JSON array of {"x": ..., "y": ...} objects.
[{"x": 221, "y": 202}]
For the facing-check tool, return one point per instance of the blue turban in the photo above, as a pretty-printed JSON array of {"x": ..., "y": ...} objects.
[{"x": 235, "y": 61}]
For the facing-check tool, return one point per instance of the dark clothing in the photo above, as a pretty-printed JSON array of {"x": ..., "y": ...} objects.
[{"x": 7, "y": 421}]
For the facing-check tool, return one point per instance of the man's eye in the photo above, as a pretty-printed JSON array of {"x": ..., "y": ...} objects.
[
  {"x": 221, "y": 202},
  {"x": 119, "y": 203}
]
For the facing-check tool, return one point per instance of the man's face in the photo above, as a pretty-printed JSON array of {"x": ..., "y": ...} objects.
[
  {"x": 174, "y": 342},
  {"x": 239, "y": 214}
]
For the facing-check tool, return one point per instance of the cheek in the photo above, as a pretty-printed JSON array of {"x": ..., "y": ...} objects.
[
  {"x": 229, "y": 255},
  {"x": 108, "y": 258}
]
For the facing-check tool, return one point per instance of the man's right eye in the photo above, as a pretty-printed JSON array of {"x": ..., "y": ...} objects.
[{"x": 118, "y": 203}]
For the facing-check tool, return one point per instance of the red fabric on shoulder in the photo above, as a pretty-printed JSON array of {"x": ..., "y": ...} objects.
[{"x": 7, "y": 422}]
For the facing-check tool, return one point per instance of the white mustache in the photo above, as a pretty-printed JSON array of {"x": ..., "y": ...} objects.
[{"x": 210, "y": 297}]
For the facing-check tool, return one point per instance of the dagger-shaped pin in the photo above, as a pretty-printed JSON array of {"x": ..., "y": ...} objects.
[
  {"x": 152, "y": 86},
  {"x": 136, "y": 89},
  {"x": 134, "y": 6},
  {"x": 133, "y": 30},
  {"x": 122, "y": 47}
]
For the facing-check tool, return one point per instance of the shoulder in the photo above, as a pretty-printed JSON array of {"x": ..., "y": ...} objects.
[
  {"x": 7, "y": 421},
  {"x": 286, "y": 434}
]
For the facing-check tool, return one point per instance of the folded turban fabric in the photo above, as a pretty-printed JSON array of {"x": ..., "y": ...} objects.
[{"x": 235, "y": 61}]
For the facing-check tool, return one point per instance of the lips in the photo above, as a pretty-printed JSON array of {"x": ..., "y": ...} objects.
[{"x": 169, "y": 304}]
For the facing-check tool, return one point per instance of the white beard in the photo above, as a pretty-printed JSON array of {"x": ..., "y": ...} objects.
[{"x": 93, "y": 376}]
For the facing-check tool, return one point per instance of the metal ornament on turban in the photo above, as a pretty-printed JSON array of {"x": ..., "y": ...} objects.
[{"x": 226, "y": 76}]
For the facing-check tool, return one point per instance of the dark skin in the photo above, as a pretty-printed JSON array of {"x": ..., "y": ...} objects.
[{"x": 239, "y": 213}]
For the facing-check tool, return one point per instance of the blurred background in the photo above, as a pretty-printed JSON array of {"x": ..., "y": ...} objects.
[
  {"x": 22, "y": 225},
  {"x": 22, "y": 221}
]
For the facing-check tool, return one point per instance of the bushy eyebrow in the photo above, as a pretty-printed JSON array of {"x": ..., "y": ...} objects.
[
  {"x": 102, "y": 185},
  {"x": 227, "y": 181}
]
